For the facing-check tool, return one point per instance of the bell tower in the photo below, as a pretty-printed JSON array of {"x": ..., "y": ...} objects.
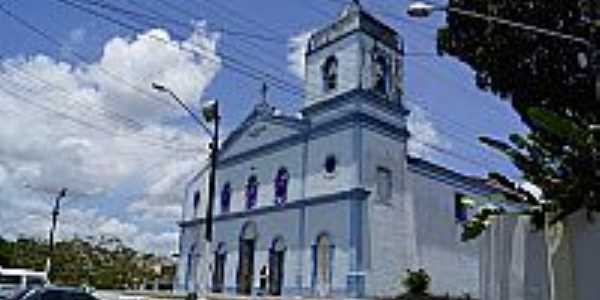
[{"x": 356, "y": 51}]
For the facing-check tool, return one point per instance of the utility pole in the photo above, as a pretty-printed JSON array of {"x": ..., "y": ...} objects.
[
  {"x": 594, "y": 52},
  {"x": 211, "y": 113},
  {"x": 55, "y": 212}
]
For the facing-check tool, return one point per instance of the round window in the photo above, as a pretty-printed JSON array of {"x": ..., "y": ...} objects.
[{"x": 330, "y": 164}]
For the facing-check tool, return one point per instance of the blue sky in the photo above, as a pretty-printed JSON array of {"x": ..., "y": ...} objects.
[{"x": 440, "y": 89}]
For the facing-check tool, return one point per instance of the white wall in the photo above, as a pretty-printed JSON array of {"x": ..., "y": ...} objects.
[{"x": 452, "y": 264}]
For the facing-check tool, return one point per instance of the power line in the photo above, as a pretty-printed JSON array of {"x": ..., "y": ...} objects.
[
  {"x": 76, "y": 120},
  {"x": 227, "y": 61},
  {"x": 79, "y": 56},
  {"x": 151, "y": 20},
  {"x": 267, "y": 29}
]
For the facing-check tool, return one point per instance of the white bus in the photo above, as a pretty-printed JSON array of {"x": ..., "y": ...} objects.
[{"x": 12, "y": 280}]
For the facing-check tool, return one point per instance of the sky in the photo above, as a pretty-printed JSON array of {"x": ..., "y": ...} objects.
[{"x": 77, "y": 110}]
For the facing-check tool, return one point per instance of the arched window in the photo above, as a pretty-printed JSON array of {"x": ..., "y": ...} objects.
[
  {"x": 330, "y": 163},
  {"x": 330, "y": 73},
  {"x": 251, "y": 192},
  {"x": 281, "y": 186},
  {"x": 196, "y": 202},
  {"x": 226, "y": 198},
  {"x": 381, "y": 73}
]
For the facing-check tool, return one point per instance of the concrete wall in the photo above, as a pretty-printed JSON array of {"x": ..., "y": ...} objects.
[
  {"x": 390, "y": 237},
  {"x": 299, "y": 227},
  {"x": 339, "y": 144},
  {"x": 586, "y": 253},
  {"x": 452, "y": 264},
  {"x": 513, "y": 261},
  {"x": 265, "y": 167},
  {"x": 348, "y": 54}
]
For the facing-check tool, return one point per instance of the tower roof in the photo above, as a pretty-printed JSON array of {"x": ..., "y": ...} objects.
[{"x": 353, "y": 18}]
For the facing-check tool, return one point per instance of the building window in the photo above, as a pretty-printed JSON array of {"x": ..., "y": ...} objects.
[
  {"x": 196, "y": 202},
  {"x": 384, "y": 184},
  {"x": 251, "y": 192},
  {"x": 330, "y": 75},
  {"x": 380, "y": 73},
  {"x": 330, "y": 164},
  {"x": 460, "y": 208},
  {"x": 226, "y": 198},
  {"x": 281, "y": 186}
]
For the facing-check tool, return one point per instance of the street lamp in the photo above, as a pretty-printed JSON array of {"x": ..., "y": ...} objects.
[
  {"x": 421, "y": 9},
  {"x": 210, "y": 112}
]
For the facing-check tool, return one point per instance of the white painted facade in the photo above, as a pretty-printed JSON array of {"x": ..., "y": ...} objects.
[{"x": 373, "y": 233}]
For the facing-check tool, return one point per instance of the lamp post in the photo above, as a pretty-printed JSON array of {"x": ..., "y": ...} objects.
[
  {"x": 210, "y": 112},
  {"x": 421, "y": 9}
]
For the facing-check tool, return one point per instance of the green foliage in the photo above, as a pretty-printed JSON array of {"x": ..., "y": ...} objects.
[
  {"x": 474, "y": 227},
  {"x": 103, "y": 262},
  {"x": 416, "y": 282},
  {"x": 530, "y": 68},
  {"x": 546, "y": 83}
]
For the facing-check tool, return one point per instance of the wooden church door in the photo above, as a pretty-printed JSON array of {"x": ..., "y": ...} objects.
[
  {"x": 276, "y": 267},
  {"x": 219, "y": 273},
  {"x": 246, "y": 267}
]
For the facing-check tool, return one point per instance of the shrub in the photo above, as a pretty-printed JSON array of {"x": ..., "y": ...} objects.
[{"x": 416, "y": 282}]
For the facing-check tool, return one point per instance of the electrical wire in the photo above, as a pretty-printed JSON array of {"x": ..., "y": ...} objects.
[
  {"x": 76, "y": 120},
  {"x": 226, "y": 60}
]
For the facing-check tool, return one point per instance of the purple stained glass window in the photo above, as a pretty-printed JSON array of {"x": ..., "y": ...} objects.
[
  {"x": 226, "y": 197},
  {"x": 281, "y": 186},
  {"x": 251, "y": 191}
]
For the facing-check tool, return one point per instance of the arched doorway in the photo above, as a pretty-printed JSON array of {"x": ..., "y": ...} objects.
[
  {"x": 276, "y": 266},
  {"x": 218, "y": 280},
  {"x": 323, "y": 252},
  {"x": 245, "y": 274}
]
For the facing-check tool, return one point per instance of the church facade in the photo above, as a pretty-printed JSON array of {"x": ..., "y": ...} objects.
[{"x": 329, "y": 203}]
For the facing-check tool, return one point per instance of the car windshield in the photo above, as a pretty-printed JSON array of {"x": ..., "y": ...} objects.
[{"x": 10, "y": 280}]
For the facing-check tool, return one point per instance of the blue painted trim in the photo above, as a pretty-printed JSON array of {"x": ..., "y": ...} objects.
[
  {"x": 355, "y": 193},
  {"x": 255, "y": 116},
  {"x": 354, "y": 97},
  {"x": 302, "y": 235},
  {"x": 327, "y": 128},
  {"x": 457, "y": 180},
  {"x": 355, "y": 284},
  {"x": 367, "y": 24},
  {"x": 265, "y": 149},
  {"x": 286, "y": 291}
]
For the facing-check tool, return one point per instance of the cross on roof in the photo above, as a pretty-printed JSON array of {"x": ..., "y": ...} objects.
[{"x": 264, "y": 91}]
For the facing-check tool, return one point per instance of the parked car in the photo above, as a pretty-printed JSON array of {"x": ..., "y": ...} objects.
[
  {"x": 52, "y": 293},
  {"x": 12, "y": 280}
]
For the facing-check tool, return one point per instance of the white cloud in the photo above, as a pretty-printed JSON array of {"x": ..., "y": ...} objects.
[
  {"x": 423, "y": 133},
  {"x": 297, "y": 46},
  {"x": 46, "y": 149}
]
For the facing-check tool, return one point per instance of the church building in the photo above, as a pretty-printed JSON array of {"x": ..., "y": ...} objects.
[{"x": 328, "y": 203}]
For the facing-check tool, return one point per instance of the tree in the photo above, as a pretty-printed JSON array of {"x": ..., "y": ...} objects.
[
  {"x": 104, "y": 262},
  {"x": 550, "y": 81}
]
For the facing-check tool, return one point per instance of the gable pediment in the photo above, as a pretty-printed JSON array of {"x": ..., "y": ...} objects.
[{"x": 258, "y": 130}]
